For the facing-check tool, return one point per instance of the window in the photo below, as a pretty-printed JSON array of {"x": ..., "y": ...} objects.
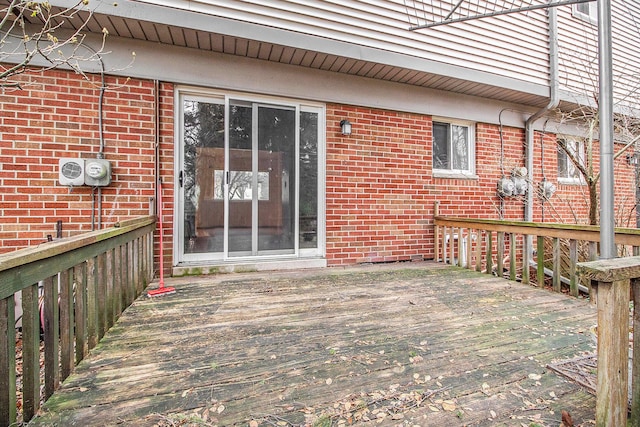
[
  {"x": 586, "y": 11},
  {"x": 453, "y": 148},
  {"x": 568, "y": 173}
]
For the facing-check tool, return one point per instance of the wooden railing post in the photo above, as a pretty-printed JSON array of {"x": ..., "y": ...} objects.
[
  {"x": 635, "y": 370},
  {"x": 612, "y": 279}
]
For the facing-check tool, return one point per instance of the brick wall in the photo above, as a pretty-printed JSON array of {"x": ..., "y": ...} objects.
[
  {"x": 377, "y": 203},
  {"x": 56, "y": 115},
  {"x": 381, "y": 190},
  {"x": 380, "y": 186}
]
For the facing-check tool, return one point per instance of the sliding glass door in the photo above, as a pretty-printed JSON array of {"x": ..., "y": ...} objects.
[{"x": 239, "y": 179}]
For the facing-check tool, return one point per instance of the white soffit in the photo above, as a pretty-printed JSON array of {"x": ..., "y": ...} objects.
[{"x": 143, "y": 21}]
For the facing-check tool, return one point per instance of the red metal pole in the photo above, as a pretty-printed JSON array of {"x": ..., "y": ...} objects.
[{"x": 161, "y": 289}]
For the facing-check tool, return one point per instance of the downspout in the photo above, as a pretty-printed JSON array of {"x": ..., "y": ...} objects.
[{"x": 529, "y": 130}]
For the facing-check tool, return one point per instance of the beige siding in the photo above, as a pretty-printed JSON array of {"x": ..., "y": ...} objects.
[
  {"x": 511, "y": 46},
  {"x": 578, "y": 43}
]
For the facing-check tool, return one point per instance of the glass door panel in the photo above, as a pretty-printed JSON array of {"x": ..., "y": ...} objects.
[
  {"x": 276, "y": 179},
  {"x": 203, "y": 159},
  {"x": 240, "y": 180},
  {"x": 248, "y": 182},
  {"x": 308, "y": 198}
]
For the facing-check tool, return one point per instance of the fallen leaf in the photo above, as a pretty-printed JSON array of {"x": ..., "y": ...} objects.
[
  {"x": 329, "y": 381},
  {"x": 220, "y": 409},
  {"x": 449, "y": 405},
  {"x": 253, "y": 423},
  {"x": 493, "y": 414},
  {"x": 535, "y": 377},
  {"x": 566, "y": 419}
]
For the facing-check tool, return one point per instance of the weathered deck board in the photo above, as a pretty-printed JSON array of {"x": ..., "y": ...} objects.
[{"x": 406, "y": 343}]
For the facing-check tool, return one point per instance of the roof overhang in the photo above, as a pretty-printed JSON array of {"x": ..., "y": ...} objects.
[{"x": 171, "y": 26}]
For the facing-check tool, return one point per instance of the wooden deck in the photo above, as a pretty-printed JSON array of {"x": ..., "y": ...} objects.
[{"x": 415, "y": 344}]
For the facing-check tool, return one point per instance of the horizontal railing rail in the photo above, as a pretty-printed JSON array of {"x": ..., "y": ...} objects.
[
  {"x": 70, "y": 292},
  {"x": 474, "y": 243}
]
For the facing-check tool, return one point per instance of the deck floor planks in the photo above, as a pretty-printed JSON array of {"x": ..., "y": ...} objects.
[{"x": 268, "y": 346}]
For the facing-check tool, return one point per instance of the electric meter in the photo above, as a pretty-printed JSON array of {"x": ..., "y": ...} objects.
[{"x": 97, "y": 172}]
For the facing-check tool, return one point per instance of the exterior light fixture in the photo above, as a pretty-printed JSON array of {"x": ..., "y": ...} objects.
[
  {"x": 345, "y": 126},
  {"x": 632, "y": 159}
]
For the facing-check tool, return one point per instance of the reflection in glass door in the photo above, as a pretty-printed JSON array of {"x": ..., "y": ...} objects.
[
  {"x": 201, "y": 189},
  {"x": 261, "y": 199}
]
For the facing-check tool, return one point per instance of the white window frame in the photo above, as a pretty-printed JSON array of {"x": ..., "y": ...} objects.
[
  {"x": 591, "y": 16},
  {"x": 574, "y": 145},
  {"x": 471, "y": 151}
]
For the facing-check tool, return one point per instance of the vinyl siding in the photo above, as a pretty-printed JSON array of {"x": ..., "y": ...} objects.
[
  {"x": 578, "y": 44},
  {"x": 512, "y": 46}
]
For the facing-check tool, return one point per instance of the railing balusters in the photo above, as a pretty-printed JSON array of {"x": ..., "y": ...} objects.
[
  {"x": 489, "y": 236},
  {"x": 132, "y": 276},
  {"x": 51, "y": 336},
  {"x": 82, "y": 348},
  {"x": 479, "y": 251},
  {"x": 92, "y": 306},
  {"x": 469, "y": 246},
  {"x": 460, "y": 243},
  {"x": 436, "y": 234},
  {"x": 66, "y": 323},
  {"x": 540, "y": 259},
  {"x": 112, "y": 294},
  {"x": 451, "y": 245},
  {"x": 7, "y": 360},
  {"x": 138, "y": 263},
  {"x": 30, "y": 352},
  {"x": 573, "y": 261},
  {"x": 101, "y": 294},
  {"x": 500, "y": 254},
  {"x": 83, "y": 294},
  {"x": 512, "y": 256},
  {"x": 120, "y": 292},
  {"x": 557, "y": 285},
  {"x": 526, "y": 258}
]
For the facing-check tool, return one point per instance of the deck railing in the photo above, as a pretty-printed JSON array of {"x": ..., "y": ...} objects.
[
  {"x": 71, "y": 291},
  {"x": 497, "y": 247},
  {"x": 472, "y": 243}
]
